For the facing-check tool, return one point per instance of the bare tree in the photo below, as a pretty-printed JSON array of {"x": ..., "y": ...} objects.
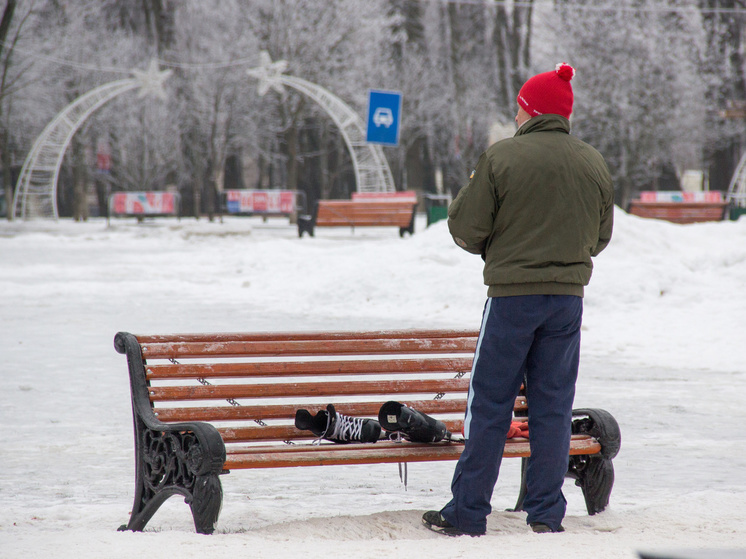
[
  {"x": 211, "y": 97},
  {"x": 637, "y": 88},
  {"x": 724, "y": 72},
  {"x": 646, "y": 71},
  {"x": 7, "y": 18}
]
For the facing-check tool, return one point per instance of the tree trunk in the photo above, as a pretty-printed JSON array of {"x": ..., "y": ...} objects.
[
  {"x": 10, "y": 7},
  {"x": 512, "y": 40},
  {"x": 291, "y": 140},
  {"x": 80, "y": 182},
  {"x": 7, "y": 175}
]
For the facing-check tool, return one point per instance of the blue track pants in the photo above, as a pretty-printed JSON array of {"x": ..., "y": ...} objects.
[{"x": 536, "y": 338}]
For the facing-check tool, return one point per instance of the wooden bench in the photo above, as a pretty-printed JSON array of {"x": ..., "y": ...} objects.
[
  {"x": 205, "y": 405},
  {"x": 374, "y": 212},
  {"x": 680, "y": 212},
  {"x": 680, "y": 207}
]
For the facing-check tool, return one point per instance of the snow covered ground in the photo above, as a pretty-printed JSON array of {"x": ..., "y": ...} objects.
[{"x": 664, "y": 350}]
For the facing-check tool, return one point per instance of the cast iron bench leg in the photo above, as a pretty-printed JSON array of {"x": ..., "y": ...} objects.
[
  {"x": 174, "y": 463},
  {"x": 305, "y": 225},
  {"x": 410, "y": 228},
  {"x": 522, "y": 490}
]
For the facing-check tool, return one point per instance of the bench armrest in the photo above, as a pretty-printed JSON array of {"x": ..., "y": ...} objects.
[
  {"x": 600, "y": 425},
  {"x": 177, "y": 458},
  {"x": 206, "y": 454}
]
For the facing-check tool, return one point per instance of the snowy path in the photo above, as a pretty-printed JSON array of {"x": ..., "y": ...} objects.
[{"x": 66, "y": 465}]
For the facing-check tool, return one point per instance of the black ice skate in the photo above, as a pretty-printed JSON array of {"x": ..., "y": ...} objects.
[
  {"x": 332, "y": 426},
  {"x": 412, "y": 424}
]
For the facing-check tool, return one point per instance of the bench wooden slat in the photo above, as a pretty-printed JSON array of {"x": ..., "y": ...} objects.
[
  {"x": 310, "y": 389},
  {"x": 286, "y": 411},
  {"x": 289, "y": 432},
  {"x": 578, "y": 443},
  {"x": 357, "y": 212},
  {"x": 174, "y": 350},
  {"x": 380, "y": 452},
  {"x": 344, "y": 454},
  {"x": 298, "y": 368},
  {"x": 360, "y": 409},
  {"x": 299, "y": 336},
  {"x": 373, "y": 220}
]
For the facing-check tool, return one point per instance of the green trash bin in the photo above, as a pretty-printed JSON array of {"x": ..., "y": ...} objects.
[
  {"x": 436, "y": 213},
  {"x": 735, "y": 213}
]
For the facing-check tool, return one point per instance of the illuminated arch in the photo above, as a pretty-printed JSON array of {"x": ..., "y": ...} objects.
[
  {"x": 36, "y": 189},
  {"x": 737, "y": 187},
  {"x": 372, "y": 172}
]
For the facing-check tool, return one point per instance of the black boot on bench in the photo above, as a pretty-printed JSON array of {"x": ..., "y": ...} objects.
[
  {"x": 330, "y": 425},
  {"x": 414, "y": 425}
]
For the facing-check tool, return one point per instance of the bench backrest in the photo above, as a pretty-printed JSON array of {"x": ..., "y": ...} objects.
[
  {"x": 251, "y": 385},
  {"x": 366, "y": 212}
]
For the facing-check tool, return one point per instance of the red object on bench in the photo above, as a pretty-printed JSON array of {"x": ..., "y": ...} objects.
[{"x": 518, "y": 429}]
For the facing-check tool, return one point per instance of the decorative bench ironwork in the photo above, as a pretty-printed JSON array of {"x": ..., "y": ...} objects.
[{"x": 206, "y": 404}]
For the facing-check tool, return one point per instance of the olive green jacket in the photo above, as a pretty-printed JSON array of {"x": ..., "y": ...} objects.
[{"x": 537, "y": 207}]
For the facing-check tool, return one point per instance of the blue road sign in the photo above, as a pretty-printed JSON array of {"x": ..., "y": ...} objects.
[{"x": 384, "y": 110}]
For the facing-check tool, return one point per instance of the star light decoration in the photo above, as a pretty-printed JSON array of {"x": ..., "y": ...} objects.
[
  {"x": 268, "y": 73},
  {"x": 151, "y": 80}
]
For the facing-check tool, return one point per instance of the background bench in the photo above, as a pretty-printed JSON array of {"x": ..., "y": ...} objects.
[
  {"x": 362, "y": 211},
  {"x": 208, "y": 404},
  {"x": 680, "y": 207}
]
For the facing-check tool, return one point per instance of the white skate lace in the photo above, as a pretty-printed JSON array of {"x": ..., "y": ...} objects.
[{"x": 347, "y": 428}]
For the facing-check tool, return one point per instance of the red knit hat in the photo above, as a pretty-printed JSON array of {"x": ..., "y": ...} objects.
[{"x": 548, "y": 93}]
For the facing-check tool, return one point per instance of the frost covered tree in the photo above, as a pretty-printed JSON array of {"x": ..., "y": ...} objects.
[
  {"x": 724, "y": 67},
  {"x": 92, "y": 62},
  {"x": 5, "y": 84},
  {"x": 412, "y": 71},
  {"x": 638, "y": 91},
  {"x": 480, "y": 54},
  {"x": 651, "y": 79},
  {"x": 337, "y": 45},
  {"x": 211, "y": 95},
  {"x": 24, "y": 79}
]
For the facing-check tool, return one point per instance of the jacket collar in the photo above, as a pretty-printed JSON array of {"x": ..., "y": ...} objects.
[{"x": 545, "y": 123}]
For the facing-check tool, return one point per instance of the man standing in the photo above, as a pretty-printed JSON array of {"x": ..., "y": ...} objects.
[{"x": 537, "y": 207}]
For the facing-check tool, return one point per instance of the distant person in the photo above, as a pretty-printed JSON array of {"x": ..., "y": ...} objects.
[{"x": 537, "y": 207}]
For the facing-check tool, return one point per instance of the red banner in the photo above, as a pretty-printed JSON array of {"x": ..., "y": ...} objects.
[
  {"x": 260, "y": 201},
  {"x": 144, "y": 203}
]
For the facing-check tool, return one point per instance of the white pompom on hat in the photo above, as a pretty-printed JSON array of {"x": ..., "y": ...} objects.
[{"x": 549, "y": 92}]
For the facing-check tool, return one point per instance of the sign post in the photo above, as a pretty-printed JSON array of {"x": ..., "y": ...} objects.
[{"x": 384, "y": 112}]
